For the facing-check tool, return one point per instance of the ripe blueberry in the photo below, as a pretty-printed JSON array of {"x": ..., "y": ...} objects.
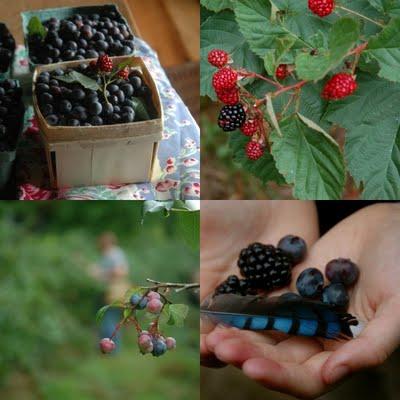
[
  {"x": 310, "y": 283},
  {"x": 342, "y": 270},
  {"x": 295, "y": 246},
  {"x": 336, "y": 295}
]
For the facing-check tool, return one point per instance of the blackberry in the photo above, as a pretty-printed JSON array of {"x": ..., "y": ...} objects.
[
  {"x": 295, "y": 246},
  {"x": 232, "y": 117},
  {"x": 7, "y": 48},
  {"x": 265, "y": 266},
  {"x": 233, "y": 285}
]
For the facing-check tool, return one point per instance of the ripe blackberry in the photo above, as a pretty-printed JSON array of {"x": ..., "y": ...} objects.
[
  {"x": 254, "y": 150},
  {"x": 224, "y": 79},
  {"x": 321, "y": 8},
  {"x": 218, "y": 58},
  {"x": 282, "y": 72},
  {"x": 124, "y": 73},
  {"x": 339, "y": 86},
  {"x": 232, "y": 117},
  {"x": 105, "y": 63},
  {"x": 233, "y": 285},
  {"x": 250, "y": 127},
  {"x": 229, "y": 97},
  {"x": 265, "y": 266}
]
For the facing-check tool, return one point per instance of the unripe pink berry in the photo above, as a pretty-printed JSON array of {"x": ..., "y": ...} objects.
[
  {"x": 171, "y": 343},
  {"x": 154, "y": 306},
  {"x": 106, "y": 345},
  {"x": 153, "y": 295},
  {"x": 144, "y": 339}
]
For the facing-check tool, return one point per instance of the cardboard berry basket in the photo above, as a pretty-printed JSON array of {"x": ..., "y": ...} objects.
[
  {"x": 101, "y": 155},
  {"x": 66, "y": 12}
]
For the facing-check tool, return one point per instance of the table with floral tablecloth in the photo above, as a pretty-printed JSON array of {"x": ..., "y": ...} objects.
[{"x": 177, "y": 170}]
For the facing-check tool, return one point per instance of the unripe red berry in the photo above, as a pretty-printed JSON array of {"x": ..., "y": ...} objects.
[
  {"x": 282, "y": 72},
  {"x": 154, "y": 306},
  {"x": 250, "y": 127},
  {"x": 145, "y": 343},
  {"x": 225, "y": 79},
  {"x": 124, "y": 73},
  {"x": 339, "y": 86},
  {"x": 153, "y": 295},
  {"x": 229, "y": 97},
  {"x": 171, "y": 343},
  {"x": 218, "y": 58},
  {"x": 321, "y": 8},
  {"x": 254, "y": 150},
  {"x": 105, "y": 64},
  {"x": 106, "y": 345}
]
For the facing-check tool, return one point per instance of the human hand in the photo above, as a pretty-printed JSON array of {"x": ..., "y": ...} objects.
[
  {"x": 228, "y": 226},
  {"x": 307, "y": 367}
]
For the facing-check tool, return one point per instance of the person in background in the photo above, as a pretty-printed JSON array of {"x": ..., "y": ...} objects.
[{"x": 113, "y": 270}]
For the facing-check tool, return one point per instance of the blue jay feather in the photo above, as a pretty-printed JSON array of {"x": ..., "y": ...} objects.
[{"x": 294, "y": 316}]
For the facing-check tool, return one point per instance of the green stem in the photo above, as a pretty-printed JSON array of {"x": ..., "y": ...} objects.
[
  {"x": 105, "y": 89},
  {"x": 361, "y": 16}
]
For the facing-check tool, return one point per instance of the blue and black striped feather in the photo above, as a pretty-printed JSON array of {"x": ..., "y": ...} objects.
[{"x": 295, "y": 316}]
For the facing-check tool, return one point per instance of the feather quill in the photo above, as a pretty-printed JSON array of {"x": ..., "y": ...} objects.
[{"x": 296, "y": 316}]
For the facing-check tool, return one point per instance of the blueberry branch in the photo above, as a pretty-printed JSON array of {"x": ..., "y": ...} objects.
[{"x": 179, "y": 287}]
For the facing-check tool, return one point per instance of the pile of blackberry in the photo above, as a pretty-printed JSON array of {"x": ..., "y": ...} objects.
[
  {"x": 265, "y": 267},
  {"x": 7, "y": 48},
  {"x": 70, "y": 104},
  {"x": 11, "y": 114},
  {"x": 81, "y": 37}
]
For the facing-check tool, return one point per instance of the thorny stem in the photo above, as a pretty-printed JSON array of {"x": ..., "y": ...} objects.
[
  {"x": 360, "y": 15},
  {"x": 359, "y": 49},
  {"x": 179, "y": 287},
  {"x": 247, "y": 74},
  {"x": 298, "y": 85}
]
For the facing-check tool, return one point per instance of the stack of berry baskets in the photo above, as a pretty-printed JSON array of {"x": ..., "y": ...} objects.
[{"x": 101, "y": 120}]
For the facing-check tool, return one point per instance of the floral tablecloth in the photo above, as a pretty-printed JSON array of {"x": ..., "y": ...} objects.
[{"x": 177, "y": 171}]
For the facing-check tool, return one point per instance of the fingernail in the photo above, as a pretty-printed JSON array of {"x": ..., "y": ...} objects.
[{"x": 339, "y": 373}]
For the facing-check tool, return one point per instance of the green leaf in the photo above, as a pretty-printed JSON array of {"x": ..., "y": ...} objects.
[
  {"x": 178, "y": 314},
  {"x": 152, "y": 206},
  {"x": 280, "y": 55},
  {"x": 385, "y": 49},
  {"x": 84, "y": 80},
  {"x": 127, "y": 312},
  {"x": 264, "y": 168},
  {"x": 272, "y": 115},
  {"x": 309, "y": 161},
  {"x": 189, "y": 227},
  {"x": 371, "y": 118},
  {"x": 103, "y": 310},
  {"x": 165, "y": 314},
  {"x": 35, "y": 27},
  {"x": 216, "y": 5},
  {"x": 342, "y": 38},
  {"x": 140, "y": 109},
  {"x": 221, "y": 31},
  {"x": 124, "y": 64}
]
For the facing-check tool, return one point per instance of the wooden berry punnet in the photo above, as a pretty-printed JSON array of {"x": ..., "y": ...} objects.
[{"x": 101, "y": 155}]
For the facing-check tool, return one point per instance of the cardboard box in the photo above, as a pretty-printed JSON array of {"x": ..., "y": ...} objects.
[{"x": 101, "y": 155}]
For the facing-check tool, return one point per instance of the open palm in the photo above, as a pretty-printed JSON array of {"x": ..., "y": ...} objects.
[{"x": 307, "y": 367}]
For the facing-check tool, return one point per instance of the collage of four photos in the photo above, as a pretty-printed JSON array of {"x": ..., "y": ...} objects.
[{"x": 200, "y": 198}]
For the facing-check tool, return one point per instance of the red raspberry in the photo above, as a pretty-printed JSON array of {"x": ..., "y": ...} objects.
[
  {"x": 282, "y": 72},
  {"x": 224, "y": 79},
  {"x": 105, "y": 63},
  {"x": 124, "y": 73},
  {"x": 250, "y": 127},
  {"x": 218, "y": 58},
  {"x": 321, "y": 7},
  {"x": 254, "y": 150},
  {"x": 341, "y": 85},
  {"x": 229, "y": 97}
]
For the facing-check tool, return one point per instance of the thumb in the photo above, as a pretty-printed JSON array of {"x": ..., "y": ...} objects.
[{"x": 376, "y": 342}]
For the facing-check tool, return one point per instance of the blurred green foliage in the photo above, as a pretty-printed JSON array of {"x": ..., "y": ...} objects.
[{"x": 48, "y": 337}]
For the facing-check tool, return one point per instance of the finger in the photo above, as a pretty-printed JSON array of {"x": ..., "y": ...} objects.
[
  {"x": 379, "y": 339},
  {"x": 302, "y": 380},
  {"x": 208, "y": 359}
]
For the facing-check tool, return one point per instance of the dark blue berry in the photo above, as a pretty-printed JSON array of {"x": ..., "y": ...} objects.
[
  {"x": 335, "y": 295},
  {"x": 342, "y": 270},
  {"x": 95, "y": 108},
  {"x": 73, "y": 122},
  {"x": 96, "y": 120},
  {"x": 310, "y": 283},
  {"x": 52, "y": 119},
  {"x": 295, "y": 246},
  {"x": 65, "y": 106}
]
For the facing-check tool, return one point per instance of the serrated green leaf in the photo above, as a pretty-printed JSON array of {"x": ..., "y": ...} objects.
[
  {"x": 272, "y": 115},
  {"x": 178, "y": 314},
  {"x": 85, "y": 81},
  {"x": 371, "y": 117},
  {"x": 342, "y": 38},
  {"x": 35, "y": 27},
  {"x": 141, "y": 113},
  {"x": 385, "y": 49},
  {"x": 216, "y": 5},
  {"x": 165, "y": 314},
  {"x": 264, "y": 168},
  {"x": 281, "y": 55},
  {"x": 309, "y": 161}
]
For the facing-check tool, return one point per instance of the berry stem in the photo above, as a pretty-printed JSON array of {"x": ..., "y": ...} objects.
[
  {"x": 298, "y": 85},
  {"x": 247, "y": 74},
  {"x": 179, "y": 287},
  {"x": 359, "y": 49},
  {"x": 361, "y": 16}
]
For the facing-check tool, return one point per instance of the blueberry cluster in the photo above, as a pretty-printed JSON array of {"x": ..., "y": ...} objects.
[
  {"x": 70, "y": 104},
  {"x": 341, "y": 272},
  {"x": 265, "y": 267},
  {"x": 81, "y": 37},
  {"x": 7, "y": 48},
  {"x": 155, "y": 344},
  {"x": 11, "y": 114}
]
